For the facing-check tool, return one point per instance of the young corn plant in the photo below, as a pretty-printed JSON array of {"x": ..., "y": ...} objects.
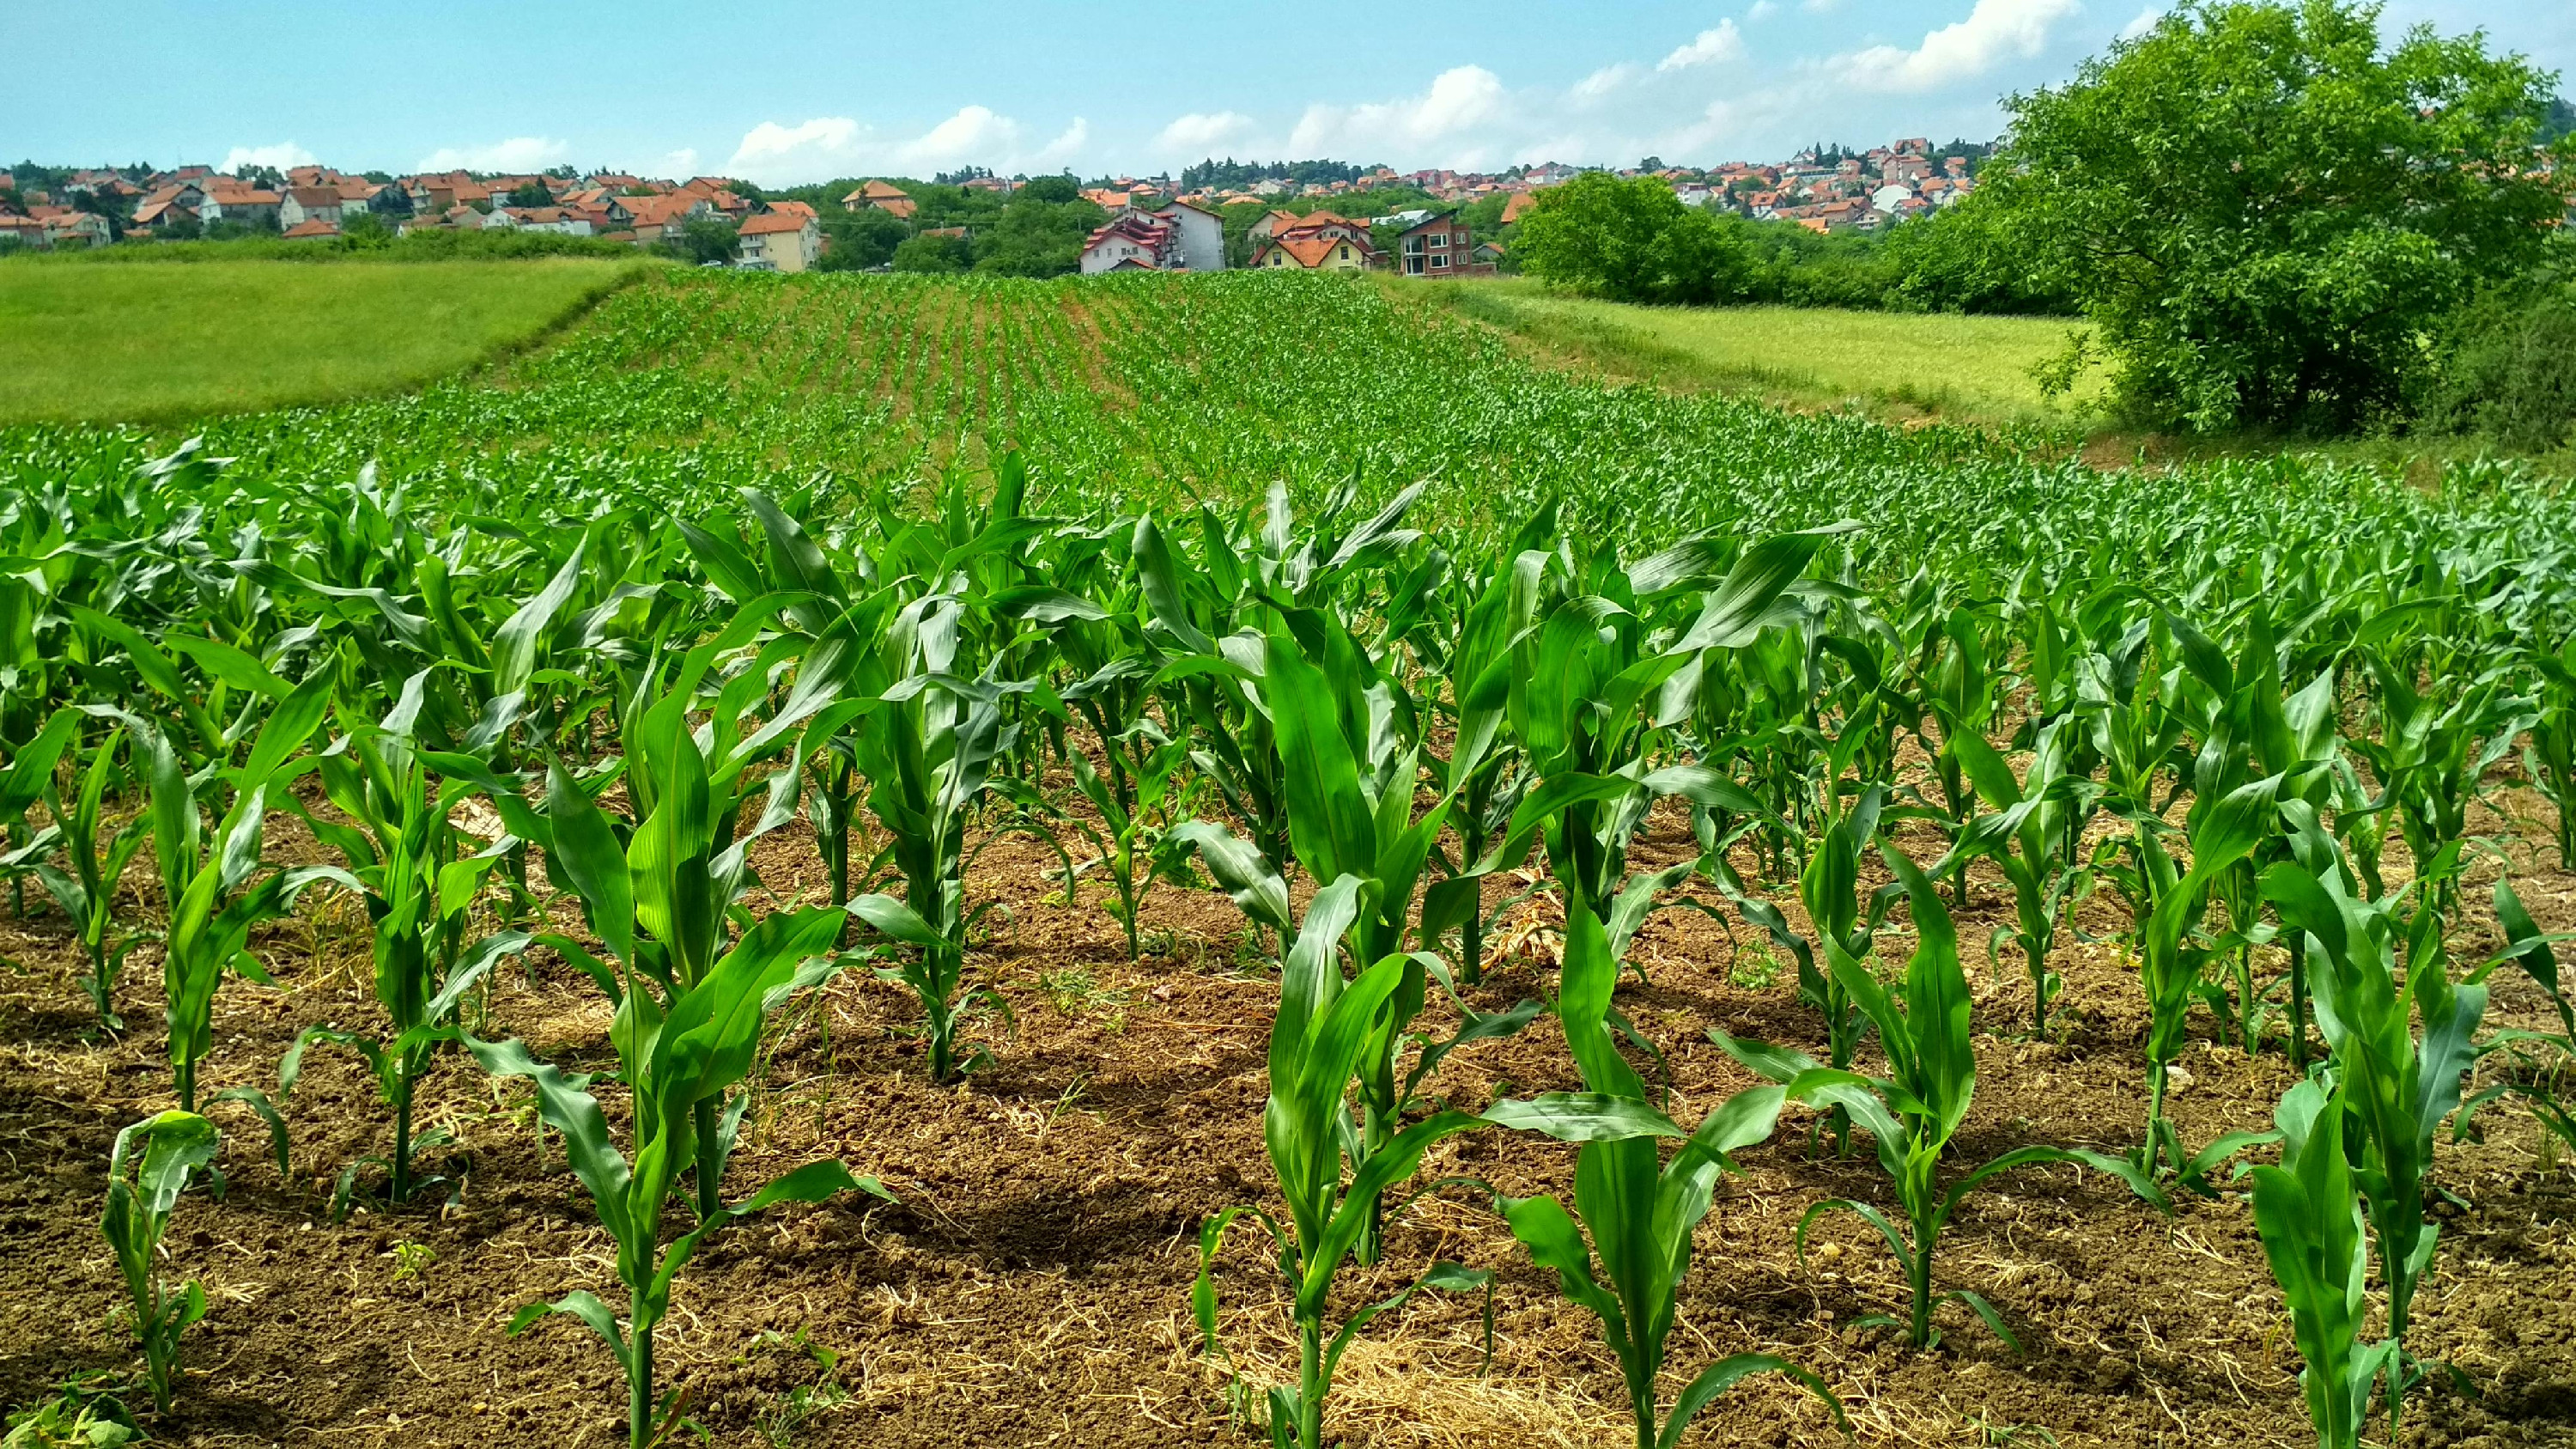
[
  {"x": 2172, "y": 961},
  {"x": 1637, "y": 1211},
  {"x": 146, "y": 1171},
  {"x": 1963, "y": 692},
  {"x": 2030, "y": 836},
  {"x": 1480, "y": 772},
  {"x": 1317, "y": 1042},
  {"x": 928, "y": 755},
  {"x": 2549, "y": 758},
  {"x": 661, "y": 902},
  {"x": 2308, "y": 1215},
  {"x": 1913, "y": 1112},
  {"x": 1128, "y": 834},
  {"x": 2430, "y": 759},
  {"x": 29, "y": 778},
  {"x": 674, "y": 1061},
  {"x": 1217, "y": 616},
  {"x": 404, "y": 863},
  {"x": 1352, "y": 778},
  {"x": 213, "y": 899},
  {"x": 87, "y": 892},
  {"x": 2399, "y": 1085},
  {"x": 2544, "y": 1057},
  {"x": 1578, "y": 685},
  {"x": 1845, "y": 926}
]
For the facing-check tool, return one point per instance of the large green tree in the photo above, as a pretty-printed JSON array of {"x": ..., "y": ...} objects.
[
  {"x": 1035, "y": 236},
  {"x": 859, "y": 239},
  {"x": 2266, "y": 212},
  {"x": 1631, "y": 241}
]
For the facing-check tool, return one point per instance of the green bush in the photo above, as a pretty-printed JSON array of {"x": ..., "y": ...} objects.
[{"x": 2508, "y": 365}]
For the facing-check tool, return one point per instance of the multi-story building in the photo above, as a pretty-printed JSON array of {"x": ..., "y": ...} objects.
[{"x": 1438, "y": 246}]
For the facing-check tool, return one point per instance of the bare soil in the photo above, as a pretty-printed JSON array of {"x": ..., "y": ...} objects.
[{"x": 1032, "y": 1286}]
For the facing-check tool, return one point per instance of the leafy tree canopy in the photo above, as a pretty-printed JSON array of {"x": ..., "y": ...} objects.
[
  {"x": 2265, "y": 212},
  {"x": 934, "y": 254},
  {"x": 707, "y": 239},
  {"x": 1630, "y": 241}
]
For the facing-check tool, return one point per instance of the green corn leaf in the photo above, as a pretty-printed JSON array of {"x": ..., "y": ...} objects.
[
  {"x": 1725, "y": 1374},
  {"x": 1583, "y": 1117},
  {"x": 579, "y": 1304},
  {"x": 586, "y": 849},
  {"x": 1240, "y": 870},
  {"x": 574, "y": 1113}
]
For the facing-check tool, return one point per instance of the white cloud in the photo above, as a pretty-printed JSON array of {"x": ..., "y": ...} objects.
[
  {"x": 2145, "y": 22},
  {"x": 1994, "y": 32},
  {"x": 1202, "y": 133},
  {"x": 826, "y": 146},
  {"x": 1463, "y": 105},
  {"x": 278, "y": 157},
  {"x": 1722, "y": 43},
  {"x": 681, "y": 163},
  {"x": 1603, "y": 83},
  {"x": 770, "y": 139},
  {"x": 1059, "y": 153},
  {"x": 1762, "y": 10},
  {"x": 519, "y": 153}
]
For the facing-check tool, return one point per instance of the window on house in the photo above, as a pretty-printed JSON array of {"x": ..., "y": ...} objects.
[{"x": 1440, "y": 264}]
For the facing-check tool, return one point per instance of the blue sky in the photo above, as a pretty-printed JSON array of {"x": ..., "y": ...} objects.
[{"x": 800, "y": 90}]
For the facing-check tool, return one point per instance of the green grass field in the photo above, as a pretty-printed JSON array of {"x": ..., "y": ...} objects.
[
  {"x": 1897, "y": 365},
  {"x": 164, "y": 342}
]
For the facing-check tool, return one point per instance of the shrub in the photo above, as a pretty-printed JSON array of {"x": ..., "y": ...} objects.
[{"x": 2508, "y": 365}]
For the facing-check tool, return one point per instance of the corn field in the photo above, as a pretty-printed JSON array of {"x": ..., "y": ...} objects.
[{"x": 1217, "y": 860}]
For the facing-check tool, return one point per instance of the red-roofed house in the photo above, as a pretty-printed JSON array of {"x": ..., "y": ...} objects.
[
  {"x": 66, "y": 227},
  {"x": 1438, "y": 246},
  {"x": 1313, "y": 251},
  {"x": 168, "y": 203},
  {"x": 301, "y": 204},
  {"x": 538, "y": 218},
  {"x": 881, "y": 196},
  {"x": 315, "y": 227},
  {"x": 655, "y": 216},
  {"x": 779, "y": 241},
  {"x": 239, "y": 203},
  {"x": 1133, "y": 241}
]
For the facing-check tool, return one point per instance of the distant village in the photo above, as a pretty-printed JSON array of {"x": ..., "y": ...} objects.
[{"x": 1154, "y": 223}]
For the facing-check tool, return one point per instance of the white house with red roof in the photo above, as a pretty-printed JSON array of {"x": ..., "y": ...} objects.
[{"x": 1133, "y": 241}]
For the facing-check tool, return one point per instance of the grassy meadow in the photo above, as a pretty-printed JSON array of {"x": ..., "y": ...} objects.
[
  {"x": 162, "y": 342},
  {"x": 1894, "y": 365}
]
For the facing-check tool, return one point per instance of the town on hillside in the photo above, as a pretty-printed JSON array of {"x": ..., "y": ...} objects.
[{"x": 1308, "y": 216}]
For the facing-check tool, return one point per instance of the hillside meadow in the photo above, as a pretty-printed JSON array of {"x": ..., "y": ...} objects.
[
  {"x": 156, "y": 342},
  {"x": 1898, "y": 365}
]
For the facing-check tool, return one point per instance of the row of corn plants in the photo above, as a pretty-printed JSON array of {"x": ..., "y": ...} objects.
[{"x": 550, "y": 719}]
